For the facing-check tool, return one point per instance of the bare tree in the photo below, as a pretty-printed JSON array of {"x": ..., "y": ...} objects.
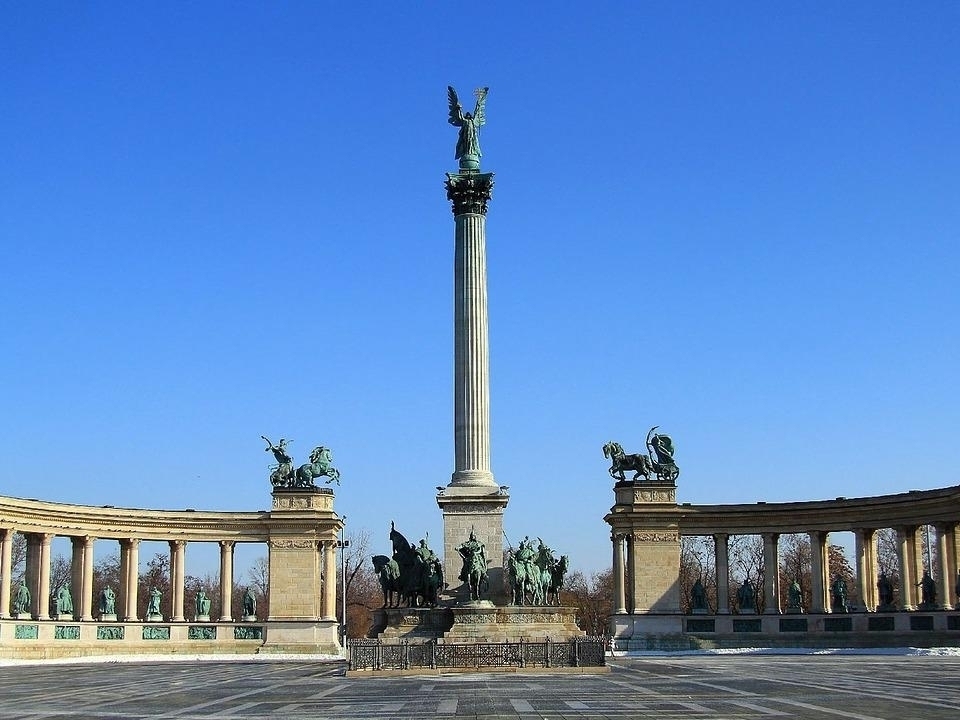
[
  {"x": 592, "y": 597},
  {"x": 697, "y": 562},
  {"x": 259, "y": 578},
  {"x": 18, "y": 557},
  {"x": 746, "y": 563}
]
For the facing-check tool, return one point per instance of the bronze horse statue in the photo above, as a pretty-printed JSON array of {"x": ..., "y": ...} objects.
[{"x": 620, "y": 462}]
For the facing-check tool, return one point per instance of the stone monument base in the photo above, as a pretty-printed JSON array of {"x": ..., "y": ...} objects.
[
  {"x": 477, "y": 622},
  {"x": 108, "y": 617},
  {"x": 318, "y": 637},
  {"x": 154, "y": 617},
  {"x": 248, "y": 618},
  {"x": 202, "y": 618},
  {"x": 65, "y": 617}
]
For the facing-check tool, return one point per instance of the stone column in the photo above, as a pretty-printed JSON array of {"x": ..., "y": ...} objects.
[
  {"x": 131, "y": 580},
  {"x": 44, "y": 606},
  {"x": 86, "y": 580},
  {"x": 864, "y": 541},
  {"x": 76, "y": 573},
  {"x": 771, "y": 574},
  {"x": 32, "y": 572},
  {"x": 632, "y": 574},
  {"x": 226, "y": 580},
  {"x": 6, "y": 569},
  {"x": 330, "y": 580},
  {"x": 470, "y": 193},
  {"x": 178, "y": 552},
  {"x": 722, "y": 560},
  {"x": 906, "y": 552},
  {"x": 953, "y": 563},
  {"x": 946, "y": 577},
  {"x": 121, "y": 599},
  {"x": 472, "y": 501},
  {"x": 819, "y": 573},
  {"x": 619, "y": 597}
]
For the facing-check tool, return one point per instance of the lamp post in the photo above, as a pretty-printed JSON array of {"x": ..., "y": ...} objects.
[{"x": 343, "y": 544}]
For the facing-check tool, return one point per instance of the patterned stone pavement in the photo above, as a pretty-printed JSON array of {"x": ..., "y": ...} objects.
[{"x": 697, "y": 687}]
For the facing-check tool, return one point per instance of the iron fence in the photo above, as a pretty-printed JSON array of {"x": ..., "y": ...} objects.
[{"x": 364, "y": 654}]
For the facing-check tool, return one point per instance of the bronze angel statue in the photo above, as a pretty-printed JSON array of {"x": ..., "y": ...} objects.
[{"x": 468, "y": 142}]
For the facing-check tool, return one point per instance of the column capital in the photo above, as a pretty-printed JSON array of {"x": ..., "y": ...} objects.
[
  {"x": 469, "y": 192},
  {"x": 177, "y": 543},
  {"x": 228, "y": 544}
]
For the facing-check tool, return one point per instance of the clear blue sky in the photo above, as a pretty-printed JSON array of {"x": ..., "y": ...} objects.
[{"x": 221, "y": 220}]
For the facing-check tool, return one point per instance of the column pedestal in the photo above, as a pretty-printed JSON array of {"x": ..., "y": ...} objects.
[{"x": 479, "y": 510}]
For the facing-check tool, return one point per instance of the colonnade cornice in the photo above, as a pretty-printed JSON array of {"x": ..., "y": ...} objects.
[
  {"x": 35, "y": 516},
  {"x": 901, "y": 510}
]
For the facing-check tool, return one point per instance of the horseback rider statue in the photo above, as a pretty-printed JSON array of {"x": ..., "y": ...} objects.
[
  {"x": 283, "y": 474},
  {"x": 474, "y": 571}
]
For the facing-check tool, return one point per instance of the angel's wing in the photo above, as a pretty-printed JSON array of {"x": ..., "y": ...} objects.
[
  {"x": 456, "y": 116},
  {"x": 479, "y": 116}
]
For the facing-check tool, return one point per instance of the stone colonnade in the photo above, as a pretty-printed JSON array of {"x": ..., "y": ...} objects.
[
  {"x": 647, "y": 525},
  {"x": 301, "y": 519}
]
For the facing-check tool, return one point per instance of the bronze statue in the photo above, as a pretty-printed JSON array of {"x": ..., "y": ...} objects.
[
  {"x": 64, "y": 602},
  {"x": 203, "y": 604},
  {"x": 283, "y": 475},
  {"x": 928, "y": 588},
  {"x": 885, "y": 592},
  {"x": 474, "y": 572},
  {"x": 108, "y": 600},
  {"x": 21, "y": 601},
  {"x": 413, "y": 577},
  {"x": 659, "y": 462},
  {"x": 249, "y": 604},
  {"x": 468, "y": 141},
  {"x": 794, "y": 596},
  {"x": 838, "y": 595},
  {"x": 747, "y": 597},
  {"x": 698, "y": 596},
  {"x": 153, "y": 606}
]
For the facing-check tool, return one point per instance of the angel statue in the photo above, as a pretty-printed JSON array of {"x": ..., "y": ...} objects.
[{"x": 468, "y": 142}]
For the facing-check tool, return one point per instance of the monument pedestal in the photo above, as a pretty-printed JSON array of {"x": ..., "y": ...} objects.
[
  {"x": 477, "y": 622},
  {"x": 478, "y": 509}
]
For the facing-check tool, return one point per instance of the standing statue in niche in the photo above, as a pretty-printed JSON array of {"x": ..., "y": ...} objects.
[
  {"x": 468, "y": 141},
  {"x": 838, "y": 593},
  {"x": 203, "y": 604},
  {"x": 794, "y": 597},
  {"x": 249, "y": 604},
  {"x": 474, "y": 572},
  {"x": 64, "y": 601},
  {"x": 885, "y": 593},
  {"x": 928, "y": 588},
  {"x": 21, "y": 601},
  {"x": 108, "y": 601},
  {"x": 747, "y": 598},
  {"x": 698, "y": 596},
  {"x": 153, "y": 605}
]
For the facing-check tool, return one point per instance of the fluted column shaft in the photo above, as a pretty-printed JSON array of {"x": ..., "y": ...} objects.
[
  {"x": 722, "y": 559},
  {"x": 44, "y": 607},
  {"x": 471, "y": 354},
  {"x": 330, "y": 580},
  {"x": 226, "y": 580},
  {"x": 131, "y": 580},
  {"x": 865, "y": 541},
  {"x": 946, "y": 577},
  {"x": 771, "y": 574},
  {"x": 178, "y": 552},
  {"x": 906, "y": 552},
  {"x": 86, "y": 580},
  {"x": 32, "y": 572},
  {"x": 819, "y": 573},
  {"x": 619, "y": 596},
  {"x": 6, "y": 568}
]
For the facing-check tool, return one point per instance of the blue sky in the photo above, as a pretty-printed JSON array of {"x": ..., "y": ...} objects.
[{"x": 223, "y": 220}]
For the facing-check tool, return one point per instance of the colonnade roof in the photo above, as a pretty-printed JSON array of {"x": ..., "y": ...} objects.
[
  {"x": 913, "y": 508},
  {"x": 37, "y": 516}
]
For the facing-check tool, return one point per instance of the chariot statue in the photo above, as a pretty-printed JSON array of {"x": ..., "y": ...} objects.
[
  {"x": 283, "y": 475},
  {"x": 659, "y": 462}
]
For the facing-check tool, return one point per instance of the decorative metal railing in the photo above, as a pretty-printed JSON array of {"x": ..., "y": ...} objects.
[{"x": 377, "y": 655}]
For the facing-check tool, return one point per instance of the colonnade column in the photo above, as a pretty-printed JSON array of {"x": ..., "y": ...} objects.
[
  {"x": 946, "y": 576},
  {"x": 771, "y": 574},
  {"x": 619, "y": 597},
  {"x": 131, "y": 579},
  {"x": 177, "y": 578},
  {"x": 722, "y": 560},
  {"x": 32, "y": 572},
  {"x": 819, "y": 570},
  {"x": 906, "y": 553},
  {"x": 866, "y": 586},
  {"x": 330, "y": 580},
  {"x": 76, "y": 572},
  {"x": 226, "y": 580},
  {"x": 631, "y": 592},
  {"x": 953, "y": 554},
  {"x": 86, "y": 580},
  {"x": 6, "y": 568},
  {"x": 44, "y": 599}
]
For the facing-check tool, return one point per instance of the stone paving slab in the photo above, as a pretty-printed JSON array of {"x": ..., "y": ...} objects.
[{"x": 694, "y": 687}]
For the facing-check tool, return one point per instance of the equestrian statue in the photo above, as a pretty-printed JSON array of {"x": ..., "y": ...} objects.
[{"x": 659, "y": 462}]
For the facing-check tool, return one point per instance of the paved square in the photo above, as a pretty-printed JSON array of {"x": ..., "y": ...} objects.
[{"x": 718, "y": 688}]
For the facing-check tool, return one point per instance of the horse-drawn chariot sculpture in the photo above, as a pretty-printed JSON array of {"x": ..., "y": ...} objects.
[
  {"x": 284, "y": 475},
  {"x": 658, "y": 463}
]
